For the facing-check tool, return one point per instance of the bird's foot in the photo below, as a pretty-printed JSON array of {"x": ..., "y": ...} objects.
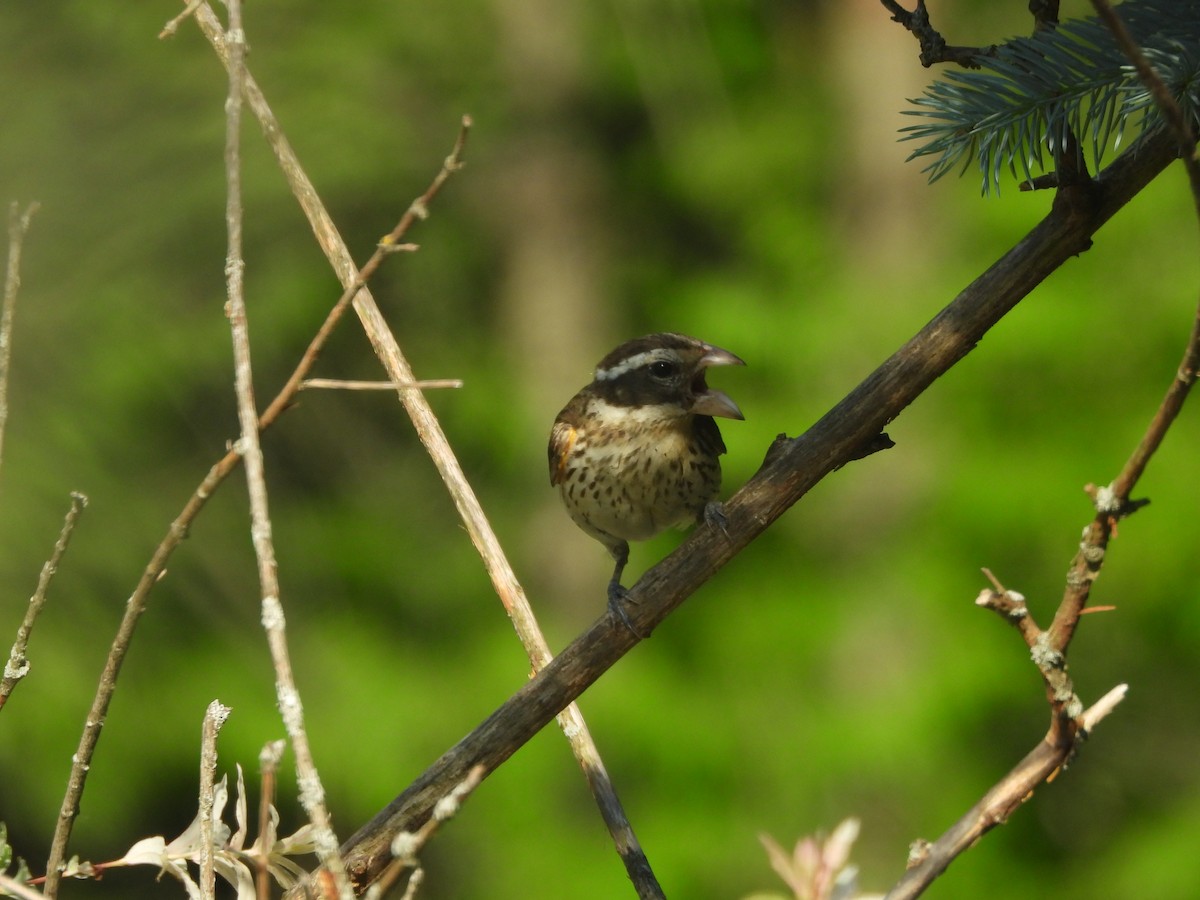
[
  {"x": 617, "y": 597},
  {"x": 714, "y": 516}
]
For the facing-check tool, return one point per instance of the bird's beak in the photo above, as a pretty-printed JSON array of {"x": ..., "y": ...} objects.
[{"x": 710, "y": 402}]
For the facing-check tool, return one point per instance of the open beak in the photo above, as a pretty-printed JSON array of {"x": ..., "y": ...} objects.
[{"x": 709, "y": 402}]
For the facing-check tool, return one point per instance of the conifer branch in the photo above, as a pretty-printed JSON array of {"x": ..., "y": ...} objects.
[{"x": 1063, "y": 86}]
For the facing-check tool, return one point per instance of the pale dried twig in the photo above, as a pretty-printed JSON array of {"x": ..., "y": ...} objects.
[
  {"x": 214, "y": 718},
  {"x": 268, "y": 764},
  {"x": 312, "y": 793},
  {"x": 18, "y": 225}
]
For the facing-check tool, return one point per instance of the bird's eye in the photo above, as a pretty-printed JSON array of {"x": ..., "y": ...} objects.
[{"x": 662, "y": 369}]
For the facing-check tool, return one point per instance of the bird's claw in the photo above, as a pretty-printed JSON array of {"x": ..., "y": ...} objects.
[
  {"x": 714, "y": 516},
  {"x": 617, "y": 596}
]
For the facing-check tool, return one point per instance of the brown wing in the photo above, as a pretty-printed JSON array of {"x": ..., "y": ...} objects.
[{"x": 562, "y": 441}]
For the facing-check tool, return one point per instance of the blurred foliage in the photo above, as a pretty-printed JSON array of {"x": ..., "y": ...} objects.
[{"x": 725, "y": 169}]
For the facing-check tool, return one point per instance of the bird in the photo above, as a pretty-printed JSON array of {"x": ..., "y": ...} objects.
[{"x": 637, "y": 450}]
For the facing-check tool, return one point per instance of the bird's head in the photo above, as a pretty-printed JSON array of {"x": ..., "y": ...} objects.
[{"x": 665, "y": 373}]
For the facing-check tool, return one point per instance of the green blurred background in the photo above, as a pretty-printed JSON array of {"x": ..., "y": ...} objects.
[{"x": 724, "y": 168}]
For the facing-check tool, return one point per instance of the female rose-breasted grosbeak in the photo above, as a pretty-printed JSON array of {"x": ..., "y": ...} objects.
[{"x": 637, "y": 450}]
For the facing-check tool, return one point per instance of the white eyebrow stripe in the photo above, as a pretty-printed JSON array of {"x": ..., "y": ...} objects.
[{"x": 634, "y": 362}]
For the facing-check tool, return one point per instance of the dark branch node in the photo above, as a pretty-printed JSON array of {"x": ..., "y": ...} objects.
[
  {"x": 934, "y": 48},
  {"x": 880, "y": 442}
]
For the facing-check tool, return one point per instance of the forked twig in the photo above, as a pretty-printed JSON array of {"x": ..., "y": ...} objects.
[{"x": 934, "y": 48}]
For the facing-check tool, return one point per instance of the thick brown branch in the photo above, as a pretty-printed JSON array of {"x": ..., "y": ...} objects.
[{"x": 794, "y": 467}]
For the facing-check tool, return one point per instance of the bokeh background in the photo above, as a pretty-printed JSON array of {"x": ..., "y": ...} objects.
[{"x": 719, "y": 167}]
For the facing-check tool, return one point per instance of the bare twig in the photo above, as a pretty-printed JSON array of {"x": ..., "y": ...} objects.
[
  {"x": 431, "y": 435},
  {"x": 18, "y": 225},
  {"x": 268, "y": 764},
  {"x": 406, "y": 846},
  {"x": 172, "y": 26},
  {"x": 17, "y": 666},
  {"x": 934, "y": 48},
  {"x": 312, "y": 792},
  {"x": 214, "y": 718},
  {"x": 350, "y": 385}
]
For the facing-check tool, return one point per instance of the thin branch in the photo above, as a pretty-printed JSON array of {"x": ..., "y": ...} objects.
[
  {"x": 177, "y": 530},
  {"x": 268, "y": 764},
  {"x": 406, "y": 846},
  {"x": 172, "y": 26},
  {"x": 312, "y": 792},
  {"x": 934, "y": 48},
  {"x": 18, "y": 226},
  {"x": 793, "y": 468},
  {"x": 430, "y": 433},
  {"x": 214, "y": 718},
  {"x": 17, "y": 666}
]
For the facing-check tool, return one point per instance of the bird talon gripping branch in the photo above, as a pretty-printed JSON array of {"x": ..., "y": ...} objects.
[{"x": 637, "y": 450}]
